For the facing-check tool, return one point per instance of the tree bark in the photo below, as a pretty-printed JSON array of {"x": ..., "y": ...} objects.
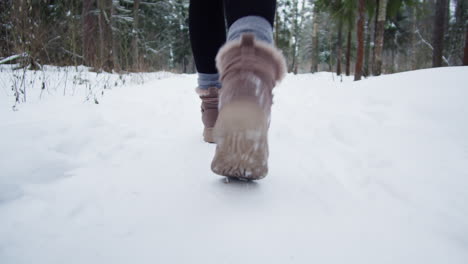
[
  {"x": 360, "y": 37},
  {"x": 330, "y": 45},
  {"x": 277, "y": 28},
  {"x": 379, "y": 38},
  {"x": 465, "y": 57},
  {"x": 105, "y": 28},
  {"x": 412, "y": 49},
  {"x": 438, "y": 33},
  {"x": 371, "y": 67},
  {"x": 89, "y": 33},
  {"x": 366, "y": 71},
  {"x": 348, "y": 54},
  {"x": 115, "y": 43},
  {"x": 295, "y": 26},
  {"x": 339, "y": 48},
  {"x": 314, "y": 65},
  {"x": 457, "y": 36},
  {"x": 135, "y": 40},
  {"x": 447, "y": 16}
]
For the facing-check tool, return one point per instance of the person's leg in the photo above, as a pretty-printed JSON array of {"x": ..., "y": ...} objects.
[
  {"x": 207, "y": 34},
  {"x": 249, "y": 67},
  {"x": 247, "y": 16}
]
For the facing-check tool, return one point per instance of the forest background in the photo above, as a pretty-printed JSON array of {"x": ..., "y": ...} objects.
[{"x": 360, "y": 37}]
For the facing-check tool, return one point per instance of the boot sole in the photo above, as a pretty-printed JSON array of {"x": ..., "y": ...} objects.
[{"x": 241, "y": 135}]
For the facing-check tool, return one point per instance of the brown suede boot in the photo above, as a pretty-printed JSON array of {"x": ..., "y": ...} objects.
[
  {"x": 209, "y": 109},
  {"x": 249, "y": 70}
]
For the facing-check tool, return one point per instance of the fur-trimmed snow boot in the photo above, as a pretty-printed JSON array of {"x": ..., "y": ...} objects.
[
  {"x": 249, "y": 70},
  {"x": 209, "y": 109}
]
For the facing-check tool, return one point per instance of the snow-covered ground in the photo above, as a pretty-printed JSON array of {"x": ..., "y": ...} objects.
[{"x": 360, "y": 172}]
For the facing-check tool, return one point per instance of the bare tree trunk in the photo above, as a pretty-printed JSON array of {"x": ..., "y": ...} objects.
[
  {"x": 438, "y": 33},
  {"x": 339, "y": 48},
  {"x": 330, "y": 62},
  {"x": 348, "y": 54},
  {"x": 89, "y": 33},
  {"x": 371, "y": 67},
  {"x": 293, "y": 68},
  {"x": 106, "y": 40},
  {"x": 101, "y": 34},
  {"x": 367, "y": 51},
  {"x": 465, "y": 57},
  {"x": 412, "y": 50},
  {"x": 457, "y": 36},
  {"x": 360, "y": 37},
  {"x": 299, "y": 26},
  {"x": 135, "y": 40},
  {"x": 314, "y": 66},
  {"x": 447, "y": 17},
  {"x": 379, "y": 37},
  {"x": 295, "y": 36},
  {"x": 276, "y": 28},
  {"x": 115, "y": 42},
  {"x": 74, "y": 33}
]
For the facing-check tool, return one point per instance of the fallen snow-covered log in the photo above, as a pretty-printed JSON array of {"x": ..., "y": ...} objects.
[{"x": 13, "y": 57}]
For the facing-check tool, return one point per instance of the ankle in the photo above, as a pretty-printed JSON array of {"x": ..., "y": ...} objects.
[{"x": 208, "y": 80}]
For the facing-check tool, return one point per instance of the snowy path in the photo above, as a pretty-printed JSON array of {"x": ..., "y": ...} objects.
[{"x": 367, "y": 172}]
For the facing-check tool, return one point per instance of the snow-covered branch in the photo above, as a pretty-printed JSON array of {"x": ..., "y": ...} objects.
[
  {"x": 13, "y": 57},
  {"x": 429, "y": 45}
]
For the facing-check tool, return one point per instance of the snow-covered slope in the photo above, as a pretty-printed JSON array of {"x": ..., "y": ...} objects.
[{"x": 360, "y": 172}]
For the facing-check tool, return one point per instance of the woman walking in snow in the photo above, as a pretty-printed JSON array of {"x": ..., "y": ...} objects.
[{"x": 236, "y": 76}]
